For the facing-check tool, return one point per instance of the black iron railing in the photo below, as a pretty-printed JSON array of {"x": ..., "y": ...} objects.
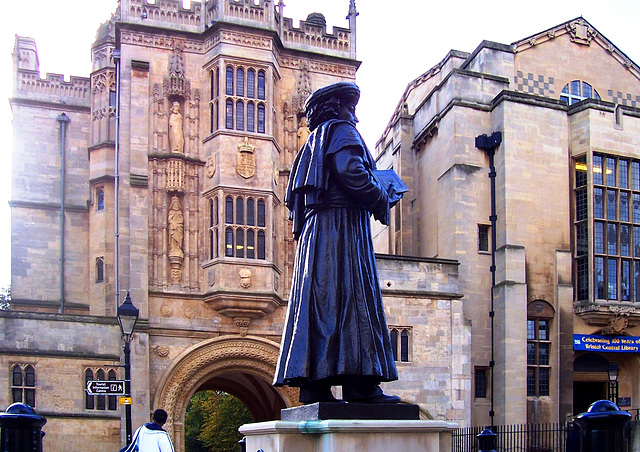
[{"x": 551, "y": 437}]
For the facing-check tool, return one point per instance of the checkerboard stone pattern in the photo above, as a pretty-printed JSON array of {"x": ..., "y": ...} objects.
[
  {"x": 534, "y": 84},
  {"x": 626, "y": 99}
]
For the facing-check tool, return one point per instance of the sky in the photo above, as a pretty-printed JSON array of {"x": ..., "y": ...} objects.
[{"x": 396, "y": 42}]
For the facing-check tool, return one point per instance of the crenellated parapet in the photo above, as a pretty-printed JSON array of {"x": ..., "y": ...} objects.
[
  {"x": 163, "y": 13},
  {"x": 53, "y": 88},
  {"x": 312, "y": 35}
]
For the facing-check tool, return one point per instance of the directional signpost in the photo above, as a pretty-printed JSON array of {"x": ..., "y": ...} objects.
[{"x": 108, "y": 387}]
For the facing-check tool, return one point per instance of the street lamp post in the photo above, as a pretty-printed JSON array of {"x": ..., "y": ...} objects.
[
  {"x": 127, "y": 318},
  {"x": 613, "y": 371}
]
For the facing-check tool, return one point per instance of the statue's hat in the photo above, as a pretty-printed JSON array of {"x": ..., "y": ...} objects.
[{"x": 347, "y": 91}]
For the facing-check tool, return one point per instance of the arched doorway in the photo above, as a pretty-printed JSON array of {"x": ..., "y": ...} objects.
[{"x": 241, "y": 366}]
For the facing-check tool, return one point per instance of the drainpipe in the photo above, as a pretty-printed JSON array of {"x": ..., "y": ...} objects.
[
  {"x": 63, "y": 119},
  {"x": 116, "y": 186},
  {"x": 490, "y": 144}
]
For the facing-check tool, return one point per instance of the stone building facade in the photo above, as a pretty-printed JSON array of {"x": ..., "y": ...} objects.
[
  {"x": 193, "y": 118},
  {"x": 552, "y": 122}
]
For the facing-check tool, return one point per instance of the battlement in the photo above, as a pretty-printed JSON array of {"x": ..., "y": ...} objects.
[
  {"x": 313, "y": 33},
  {"x": 163, "y": 13},
  {"x": 257, "y": 11},
  {"x": 54, "y": 88}
]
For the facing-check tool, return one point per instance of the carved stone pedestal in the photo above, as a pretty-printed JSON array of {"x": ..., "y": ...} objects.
[{"x": 340, "y": 435}]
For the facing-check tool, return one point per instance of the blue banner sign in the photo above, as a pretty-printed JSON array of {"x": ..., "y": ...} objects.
[{"x": 617, "y": 344}]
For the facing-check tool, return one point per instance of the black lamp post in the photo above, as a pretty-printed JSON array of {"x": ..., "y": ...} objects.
[
  {"x": 127, "y": 318},
  {"x": 613, "y": 370}
]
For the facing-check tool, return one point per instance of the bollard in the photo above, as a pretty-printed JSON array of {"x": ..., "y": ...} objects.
[
  {"x": 487, "y": 441},
  {"x": 20, "y": 429},
  {"x": 603, "y": 428}
]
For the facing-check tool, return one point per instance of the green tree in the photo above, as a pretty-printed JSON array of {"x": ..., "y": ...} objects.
[
  {"x": 193, "y": 421},
  {"x": 212, "y": 422}
]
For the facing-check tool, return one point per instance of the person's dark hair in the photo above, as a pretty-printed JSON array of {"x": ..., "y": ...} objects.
[{"x": 160, "y": 416}]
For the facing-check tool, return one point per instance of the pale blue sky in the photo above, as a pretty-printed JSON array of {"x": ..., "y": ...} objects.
[{"x": 397, "y": 41}]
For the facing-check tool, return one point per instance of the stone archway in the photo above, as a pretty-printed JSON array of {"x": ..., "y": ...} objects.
[{"x": 241, "y": 366}]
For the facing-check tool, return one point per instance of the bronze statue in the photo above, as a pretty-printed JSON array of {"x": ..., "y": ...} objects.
[{"x": 335, "y": 333}]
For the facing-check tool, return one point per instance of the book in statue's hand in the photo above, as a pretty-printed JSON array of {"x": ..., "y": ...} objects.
[{"x": 392, "y": 183}]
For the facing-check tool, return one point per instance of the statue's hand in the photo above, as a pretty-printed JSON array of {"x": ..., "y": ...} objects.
[{"x": 393, "y": 196}]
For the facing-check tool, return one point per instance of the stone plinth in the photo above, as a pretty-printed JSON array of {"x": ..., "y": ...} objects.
[
  {"x": 362, "y": 411},
  {"x": 349, "y": 435}
]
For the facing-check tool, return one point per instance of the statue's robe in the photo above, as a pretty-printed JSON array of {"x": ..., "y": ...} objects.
[{"x": 335, "y": 323}]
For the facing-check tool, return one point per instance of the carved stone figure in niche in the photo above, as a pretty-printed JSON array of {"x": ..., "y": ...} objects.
[
  {"x": 303, "y": 132},
  {"x": 176, "y": 228},
  {"x": 176, "y": 134}
]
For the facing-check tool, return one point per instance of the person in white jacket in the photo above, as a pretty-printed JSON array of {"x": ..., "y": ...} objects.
[{"x": 151, "y": 437}]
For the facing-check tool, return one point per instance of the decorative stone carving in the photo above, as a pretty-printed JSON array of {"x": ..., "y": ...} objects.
[
  {"x": 303, "y": 132},
  {"x": 211, "y": 358},
  {"x": 245, "y": 278},
  {"x": 243, "y": 323},
  {"x": 162, "y": 351},
  {"x": 176, "y": 234},
  {"x": 166, "y": 311},
  {"x": 210, "y": 166},
  {"x": 176, "y": 131},
  {"x": 175, "y": 175},
  {"x": 303, "y": 91},
  {"x": 617, "y": 324},
  {"x": 581, "y": 32},
  {"x": 211, "y": 277},
  {"x": 246, "y": 165},
  {"x": 189, "y": 313},
  {"x": 175, "y": 84}
]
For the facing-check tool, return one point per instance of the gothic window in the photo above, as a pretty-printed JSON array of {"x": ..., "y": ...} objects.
[
  {"x": 111, "y": 376},
  {"x": 261, "y": 118},
  {"x": 89, "y": 400},
  {"x": 113, "y": 98},
  {"x": 244, "y": 236},
  {"x": 99, "y": 199},
  {"x": 251, "y": 112},
  {"x": 99, "y": 402},
  {"x": 213, "y": 104},
  {"x": 610, "y": 272},
  {"x": 251, "y": 81},
  {"x": 241, "y": 113},
  {"x": 481, "y": 382},
  {"x": 100, "y": 270},
  {"x": 576, "y": 91},
  {"x": 240, "y": 82},
  {"x": 23, "y": 384},
  {"x": 400, "y": 343},
  {"x": 261, "y": 85},
  {"x": 539, "y": 315},
  {"x": 229, "y": 114},
  {"x": 483, "y": 238},
  {"x": 213, "y": 227},
  {"x": 229, "y": 82}
]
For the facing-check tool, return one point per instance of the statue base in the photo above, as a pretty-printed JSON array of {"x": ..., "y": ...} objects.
[
  {"x": 326, "y": 410},
  {"x": 374, "y": 428}
]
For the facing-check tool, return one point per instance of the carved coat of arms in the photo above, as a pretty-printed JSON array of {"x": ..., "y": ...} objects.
[{"x": 246, "y": 160}]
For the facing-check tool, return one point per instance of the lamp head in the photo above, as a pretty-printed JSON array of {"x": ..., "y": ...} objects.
[
  {"x": 127, "y": 317},
  {"x": 613, "y": 371}
]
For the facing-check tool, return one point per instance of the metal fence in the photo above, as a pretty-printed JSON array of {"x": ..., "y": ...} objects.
[{"x": 516, "y": 438}]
